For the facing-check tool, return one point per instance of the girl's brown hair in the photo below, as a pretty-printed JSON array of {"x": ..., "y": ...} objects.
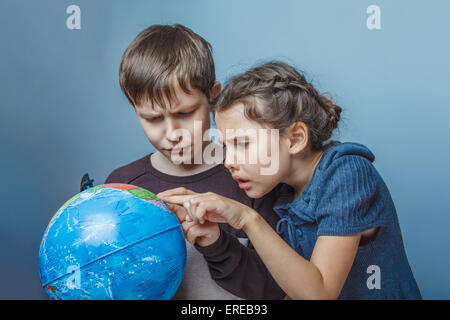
[{"x": 276, "y": 94}]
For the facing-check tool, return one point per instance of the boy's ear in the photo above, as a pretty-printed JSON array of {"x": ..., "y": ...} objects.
[
  {"x": 215, "y": 90},
  {"x": 298, "y": 135}
]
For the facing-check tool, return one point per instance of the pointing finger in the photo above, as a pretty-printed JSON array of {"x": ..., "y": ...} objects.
[
  {"x": 176, "y": 191},
  {"x": 179, "y": 211},
  {"x": 178, "y": 199}
]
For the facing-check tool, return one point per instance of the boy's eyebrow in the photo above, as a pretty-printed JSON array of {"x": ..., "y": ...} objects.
[
  {"x": 145, "y": 115},
  {"x": 195, "y": 104},
  {"x": 156, "y": 113}
]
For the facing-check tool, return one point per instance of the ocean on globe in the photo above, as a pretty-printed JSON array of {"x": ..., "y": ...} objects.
[{"x": 113, "y": 241}]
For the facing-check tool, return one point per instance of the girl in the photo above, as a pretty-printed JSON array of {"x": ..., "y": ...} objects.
[{"x": 341, "y": 233}]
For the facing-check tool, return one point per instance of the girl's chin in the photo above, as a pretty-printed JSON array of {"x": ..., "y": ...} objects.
[{"x": 254, "y": 193}]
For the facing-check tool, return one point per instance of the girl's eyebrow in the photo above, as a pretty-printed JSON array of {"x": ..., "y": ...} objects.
[{"x": 238, "y": 138}]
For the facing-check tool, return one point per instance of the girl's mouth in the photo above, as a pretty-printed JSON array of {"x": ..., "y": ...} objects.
[{"x": 243, "y": 183}]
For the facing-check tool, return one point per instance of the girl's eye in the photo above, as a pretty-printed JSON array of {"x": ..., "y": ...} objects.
[{"x": 243, "y": 144}]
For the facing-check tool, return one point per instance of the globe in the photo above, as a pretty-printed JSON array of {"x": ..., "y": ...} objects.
[{"x": 113, "y": 241}]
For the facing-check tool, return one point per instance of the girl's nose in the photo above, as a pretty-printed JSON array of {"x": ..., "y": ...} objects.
[{"x": 230, "y": 161}]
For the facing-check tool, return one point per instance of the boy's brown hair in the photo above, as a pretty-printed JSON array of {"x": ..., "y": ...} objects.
[
  {"x": 162, "y": 58},
  {"x": 276, "y": 94}
]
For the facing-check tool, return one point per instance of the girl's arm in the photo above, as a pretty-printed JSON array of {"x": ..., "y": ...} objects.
[{"x": 320, "y": 278}]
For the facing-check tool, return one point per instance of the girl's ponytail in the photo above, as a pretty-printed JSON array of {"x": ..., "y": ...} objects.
[
  {"x": 333, "y": 112},
  {"x": 277, "y": 94}
]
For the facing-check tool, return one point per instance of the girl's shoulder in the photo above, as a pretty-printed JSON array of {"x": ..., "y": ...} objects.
[
  {"x": 341, "y": 152},
  {"x": 345, "y": 173},
  {"x": 349, "y": 195},
  {"x": 344, "y": 162}
]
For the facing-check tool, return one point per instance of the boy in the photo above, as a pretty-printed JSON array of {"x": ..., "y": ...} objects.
[{"x": 167, "y": 74}]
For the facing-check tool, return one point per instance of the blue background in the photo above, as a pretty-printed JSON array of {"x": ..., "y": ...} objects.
[{"x": 63, "y": 114}]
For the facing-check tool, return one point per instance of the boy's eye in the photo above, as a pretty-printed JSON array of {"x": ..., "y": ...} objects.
[
  {"x": 186, "y": 113},
  {"x": 153, "y": 119}
]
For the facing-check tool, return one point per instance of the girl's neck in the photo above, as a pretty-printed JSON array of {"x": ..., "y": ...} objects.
[{"x": 302, "y": 170}]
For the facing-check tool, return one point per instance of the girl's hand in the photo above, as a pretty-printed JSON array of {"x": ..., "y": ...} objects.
[
  {"x": 202, "y": 234},
  {"x": 208, "y": 207}
]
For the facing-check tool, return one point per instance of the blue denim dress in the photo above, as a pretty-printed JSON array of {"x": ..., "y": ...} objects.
[{"x": 345, "y": 196}]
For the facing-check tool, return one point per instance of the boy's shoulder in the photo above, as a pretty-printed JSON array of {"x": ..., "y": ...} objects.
[{"x": 129, "y": 172}]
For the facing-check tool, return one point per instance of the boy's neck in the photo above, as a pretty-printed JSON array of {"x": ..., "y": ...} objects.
[{"x": 164, "y": 165}]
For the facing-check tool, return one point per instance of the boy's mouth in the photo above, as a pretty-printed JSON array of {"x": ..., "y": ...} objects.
[{"x": 176, "y": 150}]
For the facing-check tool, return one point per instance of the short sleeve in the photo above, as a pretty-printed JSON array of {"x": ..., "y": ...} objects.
[{"x": 350, "y": 197}]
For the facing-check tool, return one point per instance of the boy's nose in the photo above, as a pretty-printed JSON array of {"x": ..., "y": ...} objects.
[{"x": 173, "y": 132}]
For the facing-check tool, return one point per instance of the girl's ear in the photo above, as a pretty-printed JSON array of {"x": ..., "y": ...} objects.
[
  {"x": 298, "y": 135},
  {"x": 215, "y": 90}
]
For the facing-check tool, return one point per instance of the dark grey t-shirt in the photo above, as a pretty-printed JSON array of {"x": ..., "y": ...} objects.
[{"x": 232, "y": 263}]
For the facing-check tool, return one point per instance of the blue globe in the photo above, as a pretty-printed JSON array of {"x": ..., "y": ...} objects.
[{"x": 114, "y": 241}]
